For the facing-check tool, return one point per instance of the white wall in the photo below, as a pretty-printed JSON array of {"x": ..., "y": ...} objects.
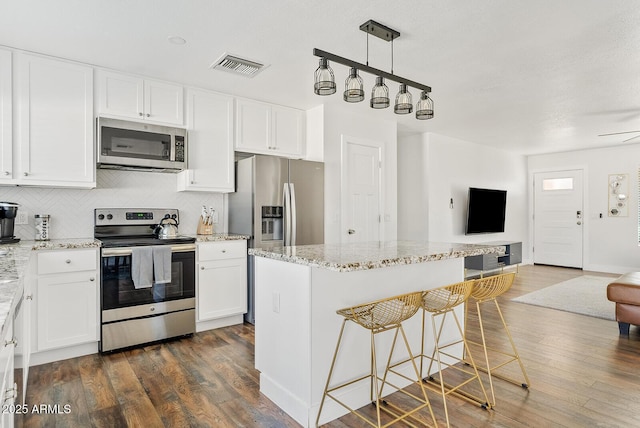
[
  {"x": 71, "y": 210},
  {"x": 344, "y": 120},
  {"x": 610, "y": 243},
  {"x": 434, "y": 168}
]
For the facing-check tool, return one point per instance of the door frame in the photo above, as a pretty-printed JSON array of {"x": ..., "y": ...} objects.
[
  {"x": 586, "y": 219},
  {"x": 344, "y": 173}
]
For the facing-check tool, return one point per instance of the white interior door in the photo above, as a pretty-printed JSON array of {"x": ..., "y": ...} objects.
[
  {"x": 361, "y": 213},
  {"x": 558, "y": 218}
]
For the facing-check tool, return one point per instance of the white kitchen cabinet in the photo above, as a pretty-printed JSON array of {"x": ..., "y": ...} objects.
[
  {"x": 123, "y": 95},
  {"x": 269, "y": 129},
  {"x": 8, "y": 391},
  {"x": 67, "y": 298},
  {"x": 54, "y": 126},
  {"x": 6, "y": 143},
  {"x": 222, "y": 279},
  {"x": 210, "y": 150}
]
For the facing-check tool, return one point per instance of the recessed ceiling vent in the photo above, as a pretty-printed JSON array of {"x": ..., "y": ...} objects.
[{"x": 236, "y": 65}]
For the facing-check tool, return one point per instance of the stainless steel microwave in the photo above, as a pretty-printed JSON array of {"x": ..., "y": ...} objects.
[{"x": 140, "y": 146}]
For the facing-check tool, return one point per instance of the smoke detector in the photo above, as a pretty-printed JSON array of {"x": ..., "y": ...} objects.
[{"x": 237, "y": 65}]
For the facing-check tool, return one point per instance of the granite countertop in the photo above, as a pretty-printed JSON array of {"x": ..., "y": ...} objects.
[
  {"x": 372, "y": 255},
  {"x": 14, "y": 263},
  {"x": 220, "y": 237}
]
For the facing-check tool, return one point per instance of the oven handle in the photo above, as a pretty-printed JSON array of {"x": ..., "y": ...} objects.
[{"x": 125, "y": 251}]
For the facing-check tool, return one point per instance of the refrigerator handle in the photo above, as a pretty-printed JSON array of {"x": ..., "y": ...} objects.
[
  {"x": 294, "y": 214},
  {"x": 286, "y": 201}
]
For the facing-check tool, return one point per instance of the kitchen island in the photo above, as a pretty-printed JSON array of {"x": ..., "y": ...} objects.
[{"x": 299, "y": 289}]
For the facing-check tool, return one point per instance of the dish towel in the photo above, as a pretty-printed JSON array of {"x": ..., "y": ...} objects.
[
  {"x": 162, "y": 264},
  {"x": 142, "y": 267}
]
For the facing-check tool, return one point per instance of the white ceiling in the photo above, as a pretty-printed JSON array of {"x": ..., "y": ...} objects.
[{"x": 528, "y": 76}]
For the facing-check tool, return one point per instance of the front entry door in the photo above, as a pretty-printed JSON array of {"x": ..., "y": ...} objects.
[{"x": 558, "y": 218}]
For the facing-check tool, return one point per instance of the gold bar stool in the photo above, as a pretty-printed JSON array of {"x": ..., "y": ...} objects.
[
  {"x": 440, "y": 303},
  {"x": 485, "y": 290},
  {"x": 377, "y": 317}
]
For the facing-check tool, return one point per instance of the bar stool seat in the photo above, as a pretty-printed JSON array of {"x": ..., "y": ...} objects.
[
  {"x": 440, "y": 303},
  {"x": 377, "y": 317},
  {"x": 487, "y": 290}
]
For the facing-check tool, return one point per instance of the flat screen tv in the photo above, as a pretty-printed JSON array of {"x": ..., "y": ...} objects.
[{"x": 486, "y": 211}]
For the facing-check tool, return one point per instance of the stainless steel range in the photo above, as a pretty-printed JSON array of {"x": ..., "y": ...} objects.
[{"x": 147, "y": 278}]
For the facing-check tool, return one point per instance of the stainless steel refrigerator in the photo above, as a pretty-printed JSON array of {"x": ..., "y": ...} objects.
[{"x": 277, "y": 202}]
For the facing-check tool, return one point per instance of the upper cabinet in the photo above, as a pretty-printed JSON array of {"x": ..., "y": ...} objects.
[
  {"x": 123, "y": 95},
  {"x": 6, "y": 144},
  {"x": 54, "y": 130},
  {"x": 269, "y": 129},
  {"x": 129, "y": 96},
  {"x": 210, "y": 144}
]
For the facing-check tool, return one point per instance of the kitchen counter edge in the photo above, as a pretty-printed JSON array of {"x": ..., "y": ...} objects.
[{"x": 372, "y": 255}]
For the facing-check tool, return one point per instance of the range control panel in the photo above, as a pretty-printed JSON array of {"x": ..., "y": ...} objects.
[{"x": 132, "y": 216}]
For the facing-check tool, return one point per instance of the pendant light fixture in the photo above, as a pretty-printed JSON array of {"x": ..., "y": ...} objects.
[
  {"x": 354, "y": 91},
  {"x": 380, "y": 94},
  {"x": 325, "y": 82},
  {"x": 424, "y": 107},
  {"x": 353, "y": 87},
  {"x": 404, "y": 103}
]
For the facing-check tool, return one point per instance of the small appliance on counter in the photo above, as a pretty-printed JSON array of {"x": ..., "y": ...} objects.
[
  {"x": 8, "y": 213},
  {"x": 42, "y": 227}
]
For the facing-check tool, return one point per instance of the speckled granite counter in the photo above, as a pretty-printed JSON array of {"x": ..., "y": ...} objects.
[
  {"x": 14, "y": 262},
  {"x": 62, "y": 244},
  {"x": 219, "y": 237},
  {"x": 372, "y": 255}
]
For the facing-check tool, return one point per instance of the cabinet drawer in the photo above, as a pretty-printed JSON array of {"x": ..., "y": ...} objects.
[
  {"x": 66, "y": 261},
  {"x": 222, "y": 250}
]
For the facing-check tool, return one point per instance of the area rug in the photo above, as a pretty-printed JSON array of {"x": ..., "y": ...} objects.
[{"x": 585, "y": 295}]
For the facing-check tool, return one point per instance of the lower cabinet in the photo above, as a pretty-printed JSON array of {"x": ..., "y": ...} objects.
[
  {"x": 9, "y": 390},
  {"x": 67, "y": 298},
  {"x": 222, "y": 280}
]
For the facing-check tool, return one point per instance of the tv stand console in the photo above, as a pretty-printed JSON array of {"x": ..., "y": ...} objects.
[{"x": 489, "y": 262}]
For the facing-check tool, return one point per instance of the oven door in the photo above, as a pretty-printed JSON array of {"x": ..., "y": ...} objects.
[{"x": 118, "y": 291}]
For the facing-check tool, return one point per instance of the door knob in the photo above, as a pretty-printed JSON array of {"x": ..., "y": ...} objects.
[
  {"x": 579, "y": 223},
  {"x": 351, "y": 231}
]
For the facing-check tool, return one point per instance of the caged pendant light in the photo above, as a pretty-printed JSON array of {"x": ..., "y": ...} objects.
[
  {"x": 380, "y": 94},
  {"x": 424, "y": 107},
  {"x": 325, "y": 83},
  {"x": 404, "y": 103},
  {"x": 353, "y": 87}
]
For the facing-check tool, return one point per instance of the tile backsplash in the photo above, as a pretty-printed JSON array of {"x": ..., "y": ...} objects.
[{"x": 71, "y": 210}]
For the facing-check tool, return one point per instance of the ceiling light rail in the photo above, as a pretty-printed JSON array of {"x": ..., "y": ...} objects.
[{"x": 324, "y": 79}]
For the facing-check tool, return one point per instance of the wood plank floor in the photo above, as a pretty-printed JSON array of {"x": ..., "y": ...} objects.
[{"x": 582, "y": 375}]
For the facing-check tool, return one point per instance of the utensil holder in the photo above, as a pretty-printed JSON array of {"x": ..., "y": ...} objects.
[{"x": 204, "y": 229}]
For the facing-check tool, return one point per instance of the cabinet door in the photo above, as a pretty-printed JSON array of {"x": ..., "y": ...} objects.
[
  {"x": 120, "y": 95},
  {"x": 163, "y": 102},
  {"x": 210, "y": 146},
  {"x": 55, "y": 122},
  {"x": 222, "y": 288},
  {"x": 253, "y": 126},
  {"x": 67, "y": 309},
  {"x": 288, "y": 131},
  {"x": 6, "y": 152},
  {"x": 7, "y": 348}
]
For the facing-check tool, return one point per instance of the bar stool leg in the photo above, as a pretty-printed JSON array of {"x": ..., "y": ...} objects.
[
  {"x": 333, "y": 363},
  {"x": 513, "y": 347},
  {"x": 486, "y": 354}
]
